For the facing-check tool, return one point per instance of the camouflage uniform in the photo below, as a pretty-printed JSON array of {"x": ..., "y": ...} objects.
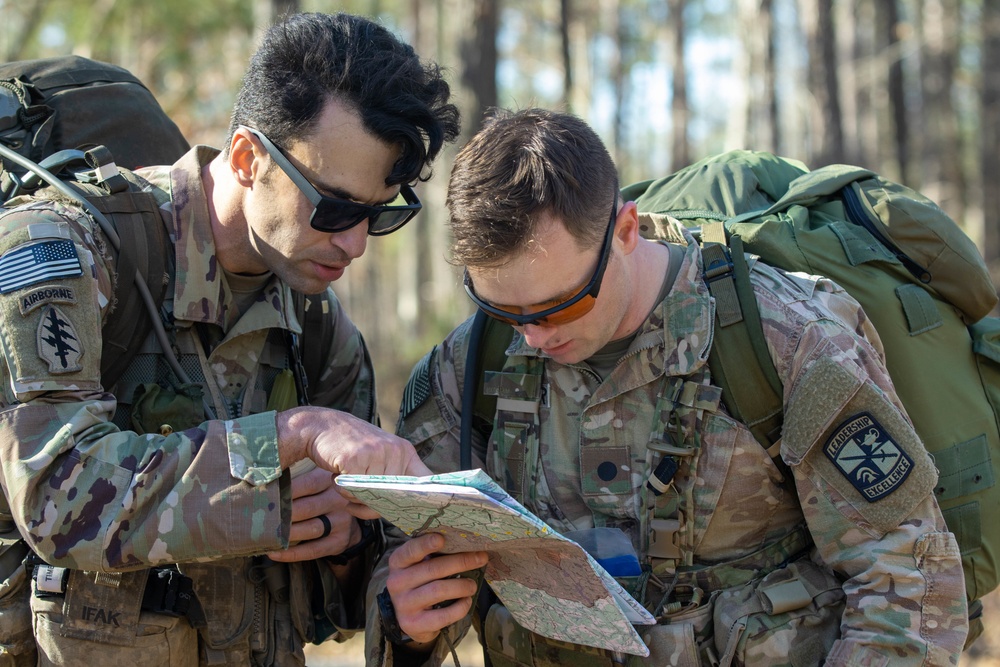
[
  {"x": 749, "y": 561},
  {"x": 108, "y": 503}
]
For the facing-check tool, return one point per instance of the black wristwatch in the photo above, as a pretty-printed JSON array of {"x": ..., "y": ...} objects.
[
  {"x": 390, "y": 626},
  {"x": 368, "y": 535}
]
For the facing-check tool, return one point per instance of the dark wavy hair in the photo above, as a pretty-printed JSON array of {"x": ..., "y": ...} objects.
[
  {"x": 307, "y": 59},
  {"x": 522, "y": 165}
]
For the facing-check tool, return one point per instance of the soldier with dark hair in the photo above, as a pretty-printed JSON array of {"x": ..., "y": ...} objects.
[{"x": 164, "y": 524}]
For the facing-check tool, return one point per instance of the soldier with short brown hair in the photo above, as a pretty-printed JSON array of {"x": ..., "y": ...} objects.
[{"x": 608, "y": 417}]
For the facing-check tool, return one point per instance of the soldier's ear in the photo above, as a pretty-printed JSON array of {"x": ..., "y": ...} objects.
[
  {"x": 627, "y": 226},
  {"x": 245, "y": 154}
]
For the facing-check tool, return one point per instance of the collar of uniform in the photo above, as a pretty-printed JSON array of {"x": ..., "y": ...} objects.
[{"x": 200, "y": 292}]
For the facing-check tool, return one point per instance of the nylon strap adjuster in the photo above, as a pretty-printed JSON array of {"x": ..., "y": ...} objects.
[{"x": 717, "y": 267}]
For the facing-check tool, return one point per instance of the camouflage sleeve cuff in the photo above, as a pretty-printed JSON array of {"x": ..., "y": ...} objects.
[{"x": 252, "y": 442}]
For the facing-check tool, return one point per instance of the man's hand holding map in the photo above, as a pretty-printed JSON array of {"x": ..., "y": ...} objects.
[{"x": 548, "y": 583}]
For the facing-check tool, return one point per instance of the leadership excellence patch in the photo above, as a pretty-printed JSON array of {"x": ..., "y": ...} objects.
[{"x": 862, "y": 450}]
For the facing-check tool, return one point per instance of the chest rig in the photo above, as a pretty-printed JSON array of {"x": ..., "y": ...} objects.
[
  {"x": 650, "y": 486},
  {"x": 643, "y": 486}
]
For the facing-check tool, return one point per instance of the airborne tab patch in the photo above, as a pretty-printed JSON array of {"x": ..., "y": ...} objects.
[
  {"x": 43, "y": 295},
  {"x": 862, "y": 450},
  {"x": 58, "y": 344}
]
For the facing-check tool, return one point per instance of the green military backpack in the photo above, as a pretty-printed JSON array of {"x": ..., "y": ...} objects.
[
  {"x": 67, "y": 102},
  {"x": 920, "y": 279}
]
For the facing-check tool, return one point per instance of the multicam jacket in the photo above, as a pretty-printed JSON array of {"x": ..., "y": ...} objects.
[
  {"x": 88, "y": 493},
  {"x": 748, "y": 561}
]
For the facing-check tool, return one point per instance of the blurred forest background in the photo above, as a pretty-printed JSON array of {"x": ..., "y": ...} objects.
[{"x": 909, "y": 88}]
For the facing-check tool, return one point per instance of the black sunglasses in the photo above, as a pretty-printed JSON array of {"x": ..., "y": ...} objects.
[
  {"x": 338, "y": 215},
  {"x": 567, "y": 311}
]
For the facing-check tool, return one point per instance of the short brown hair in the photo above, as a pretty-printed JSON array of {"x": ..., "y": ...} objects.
[{"x": 522, "y": 164}]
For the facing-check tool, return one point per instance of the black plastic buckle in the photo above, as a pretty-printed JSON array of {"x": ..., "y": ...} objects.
[{"x": 719, "y": 269}]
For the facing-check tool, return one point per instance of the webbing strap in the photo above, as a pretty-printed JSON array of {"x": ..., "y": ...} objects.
[
  {"x": 711, "y": 578},
  {"x": 487, "y": 351},
  {"x": 719, "y": 276},
  {"x": 311, "y": 353},
  {"x": 136, "y": 218},
  {"x": 751, "y": 315},
  {"x": 752, "y": 392}
]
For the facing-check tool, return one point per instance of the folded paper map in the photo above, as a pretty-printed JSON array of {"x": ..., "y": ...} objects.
[{"x": 548, "y": 583}]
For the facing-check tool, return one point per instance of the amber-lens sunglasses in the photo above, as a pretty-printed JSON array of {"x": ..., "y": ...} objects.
[{"x": 572, "y": 308}]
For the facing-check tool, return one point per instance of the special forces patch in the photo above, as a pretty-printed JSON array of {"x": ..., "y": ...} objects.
[
  {"x": 862, "y": 450},
  {"x": 58, "y": 344}
]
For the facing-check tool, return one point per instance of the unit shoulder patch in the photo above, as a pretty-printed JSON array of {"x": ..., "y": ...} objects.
[
  {"x": 862, "y": 450},
  {"x": 58, "y": 343}
]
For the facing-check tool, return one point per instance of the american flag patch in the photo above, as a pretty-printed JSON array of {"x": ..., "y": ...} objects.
[{"x": 30, "y": 264}]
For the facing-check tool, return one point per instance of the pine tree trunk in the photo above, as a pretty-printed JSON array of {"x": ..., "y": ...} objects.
[
  {"x": 990, "y": 137},
  {"x": 941, "y": 176},
  {"x": 887, "y": 40},
  {"x": 479, "y": 55},
  {"x": 827, "y": 128},
  {"x": 680, "y": 147}
]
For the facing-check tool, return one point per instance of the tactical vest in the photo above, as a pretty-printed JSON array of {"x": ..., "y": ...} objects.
[{"x": 705, "y": 614}]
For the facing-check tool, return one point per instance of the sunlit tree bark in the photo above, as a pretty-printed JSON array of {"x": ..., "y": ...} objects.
[
  {"x": 826, "y": 131},
  {"x": 680, "y": 147},
  {"x": 761, "y": 128},
  {"x": 990, "y": 133},
  {"x": 565, "y": 21},
  {"x": 941, "y": 174}
]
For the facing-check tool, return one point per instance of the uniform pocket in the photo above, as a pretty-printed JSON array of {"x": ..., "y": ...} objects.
[
  {"x": 234, "y": 605},
  {"x": 684, "y": 633},
  {"x": 159, "y": 640},
  {"x": 508, "y": 644},
  {"x": 791, "y": 616},
  {"x": 672, "y": 644},
  {"x": 17, "y": 644}
]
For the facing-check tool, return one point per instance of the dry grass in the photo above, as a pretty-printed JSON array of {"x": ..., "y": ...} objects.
[{"x": 985, "y": 652}]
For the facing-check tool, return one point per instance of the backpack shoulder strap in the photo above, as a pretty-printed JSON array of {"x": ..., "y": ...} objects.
[
  {"x": 487, "y": 351},
  {"x": 145, "y": 251},
  {"x": 739, "y": 359},
  {"x": 141, "y": 251}
]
